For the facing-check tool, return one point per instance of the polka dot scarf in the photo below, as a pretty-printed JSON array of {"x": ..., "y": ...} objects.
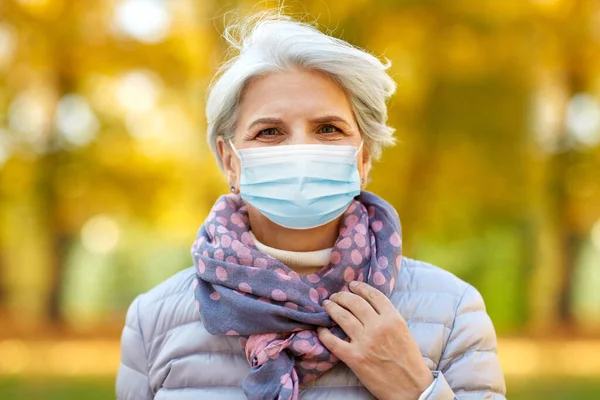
[{"x": 275, "y": 312}]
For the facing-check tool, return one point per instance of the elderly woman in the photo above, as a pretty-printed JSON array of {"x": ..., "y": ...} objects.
[{"x": 299, "y": 287}]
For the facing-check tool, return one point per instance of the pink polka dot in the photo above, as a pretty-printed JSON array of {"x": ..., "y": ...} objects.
[
  {"x": 324, "y": 366},
  {"x": 245, "y": 287},
  {"x": 352, "y": 208},
  {"x": 361, "y": 228},
  {"x": 294, "y": 275},
  {"x": 211, "y": 229},
  {"x": 398, "y": 261},
  {"x": 313, "y": 278},
  {"x": 308, "y": 364},
  {"x": 345, "y": 243},
  {"x": 351, "y": 221},
  {"x": 284, "y": 378},
  {"x": 219, "y": 254},
  {"x": 197, "y": 306},
  {"x": 349, "y": 274},
  {"x": 376, "y": 226},
  {"x": 221, "y": 273},
  {"x": 264, "y": 300},
  {"x": 314, "y": 295},
  {"x": 284, "y": 276},
  {"x": 335, "y": 257},
  {"x": 215, "y": 296},
  {"x": 309, "y": 308},
  {"x": 231, "y": 259},
  {"x": 226, "y": 241},
  {"x": 323, "y": 293},
  {"x": 395, "y": 239},
  {"x": 221, "y": 229},
  {"x": 279, "y": 295},
  {"x": 247, "y": 239},
  {"x": 291, "y": 306},
  {"x": 378, "y": 278},
  {"x": 221, "y": 220},
  {"x": 237, "y": 245},
  {"x": 235, "y": 219},
  {"x": 317, "y": 349},
  {"x": 260, "y": 263},
  {"x": 360, "y": 240},
  {"x": 245, "y": 259},
  {"x": 367, "y": 252},
  {"x": 194, "y": 284},
  {"x": 219, "y": 206},
  {"x": 232, "y": 333},
  {"x": 371, "y": 211},
  {"x": 392, "y": 282},
  {"x": 356, "y": 257},
  {"x": 304, "y": 334},
  {"x": 288, "y": 385},
  {"x": 302, "y": 346},
  {"x": 383, "y": 261},
  {"x": 201, "y": 266}
]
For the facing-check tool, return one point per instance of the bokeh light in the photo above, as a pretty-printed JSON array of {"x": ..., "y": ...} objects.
[
  {"x": 100, "y": 234},
  {"x": 75, "y": 120},
  {"x": 145, "y": 20}
]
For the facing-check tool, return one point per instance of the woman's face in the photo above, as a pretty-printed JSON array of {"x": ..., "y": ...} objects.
[{"x": 297, "y": 107}]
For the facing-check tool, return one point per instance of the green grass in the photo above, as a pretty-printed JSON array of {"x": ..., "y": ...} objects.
[
  {"x": 56, "y": 389},
  {"x": 103, "y": 389}
]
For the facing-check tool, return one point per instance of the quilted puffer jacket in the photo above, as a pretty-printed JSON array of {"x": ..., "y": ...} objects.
[{"x": 167, "y": 354}]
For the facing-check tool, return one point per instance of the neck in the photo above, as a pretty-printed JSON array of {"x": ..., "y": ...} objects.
[{"x": 301, "y": 240}]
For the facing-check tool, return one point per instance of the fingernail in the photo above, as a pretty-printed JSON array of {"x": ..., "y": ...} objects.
[
  {"x": 353, "y": 284},
  {"x": 332, "y": 296},
  {"x": 325, "y": 302}
]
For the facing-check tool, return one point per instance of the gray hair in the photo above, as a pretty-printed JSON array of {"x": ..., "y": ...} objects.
[{"x": 271, "y": 42}]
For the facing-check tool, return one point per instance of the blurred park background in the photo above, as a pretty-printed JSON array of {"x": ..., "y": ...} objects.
[{"x": 105, "y": 175}]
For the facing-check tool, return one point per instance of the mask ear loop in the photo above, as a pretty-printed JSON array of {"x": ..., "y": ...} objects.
[
  {"x": 235, "y": 150},
  {"x": 359, "y": 148}
]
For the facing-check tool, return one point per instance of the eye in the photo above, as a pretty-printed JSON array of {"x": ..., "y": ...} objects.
[
  {"x": 268, "y": 132},
  {"x": 329, "y": 129}
]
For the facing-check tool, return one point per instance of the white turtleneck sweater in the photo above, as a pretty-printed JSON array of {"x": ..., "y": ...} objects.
[{"x": 302, "y": 262}]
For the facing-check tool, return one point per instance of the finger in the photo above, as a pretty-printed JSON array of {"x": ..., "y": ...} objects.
[
  {"x": 358, "y": 306},
  {"x": 374, "y": 297},
  {"x": 338, "y": 347},
  {"x": 344, "y": 318}
]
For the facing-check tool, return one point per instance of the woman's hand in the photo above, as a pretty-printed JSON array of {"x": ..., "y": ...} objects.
[{"x": 381, "y": 351}]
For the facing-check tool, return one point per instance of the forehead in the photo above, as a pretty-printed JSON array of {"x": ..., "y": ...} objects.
[{"x": 294, "y": 93}]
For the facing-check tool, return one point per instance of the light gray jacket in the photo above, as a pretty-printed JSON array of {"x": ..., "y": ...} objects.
[{"x": 167, "y": 354}]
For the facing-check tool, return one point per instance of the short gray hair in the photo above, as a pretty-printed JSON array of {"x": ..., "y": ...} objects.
[{"x": 270, "y": 42}]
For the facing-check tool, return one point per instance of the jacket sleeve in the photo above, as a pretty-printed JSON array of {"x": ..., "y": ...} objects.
[
  {"x": 132, "y": 378},
  {"x": 469, "y": 368}
]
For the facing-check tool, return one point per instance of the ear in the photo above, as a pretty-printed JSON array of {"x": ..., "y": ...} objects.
[
  {"x": 365, "y": 166},
  {"x": 231, "y": 164}
]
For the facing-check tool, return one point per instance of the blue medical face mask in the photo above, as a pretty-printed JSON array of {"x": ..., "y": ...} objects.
[{"x": 299, "y": 186}]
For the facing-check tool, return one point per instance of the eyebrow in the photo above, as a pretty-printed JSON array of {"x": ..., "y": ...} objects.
[{"x": 320, "y": 120}]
